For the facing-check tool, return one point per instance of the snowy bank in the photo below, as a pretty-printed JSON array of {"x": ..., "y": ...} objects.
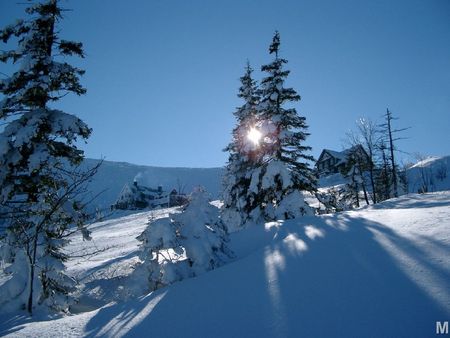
[{"x": 381, "y": 271}]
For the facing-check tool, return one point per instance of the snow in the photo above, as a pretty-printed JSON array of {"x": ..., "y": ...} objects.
[
  {"x": 433, "y": 172},
  {"x": 332, "y": 180},
  {"x": 276, "y": 169},
  {"x": 117, "y": 244},
  {"x": 378, "y": 271},
  {"x": 426, "y": 162}
]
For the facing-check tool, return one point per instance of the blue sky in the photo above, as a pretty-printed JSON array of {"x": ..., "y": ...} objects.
[{"x": 162, "y": 76}]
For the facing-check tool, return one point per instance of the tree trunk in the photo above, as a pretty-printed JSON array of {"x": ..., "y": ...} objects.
[
  {"x": 387, "y": 193},
  {"x": 365, "y": 193},
  {"x": 372, "y": 181},
  {"x": 363, "y": 184},
  {"x": 32, "y": 259},
  {"x": 391, "y": 147},
  {"x": 49, "y": 44}
]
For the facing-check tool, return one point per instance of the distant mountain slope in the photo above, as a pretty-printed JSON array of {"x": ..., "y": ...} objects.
[
  {"x": 112, "y": 176},
  {"x": 433, "y": 172}
]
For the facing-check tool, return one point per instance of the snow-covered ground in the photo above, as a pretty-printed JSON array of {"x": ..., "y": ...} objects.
[{"x": 381, "y": 271}]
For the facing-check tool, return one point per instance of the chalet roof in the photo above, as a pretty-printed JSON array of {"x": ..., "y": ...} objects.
[{"x": 339, "y": 155}]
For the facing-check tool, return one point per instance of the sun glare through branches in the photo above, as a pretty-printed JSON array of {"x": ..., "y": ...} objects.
[{"x": 254, "y": 135}]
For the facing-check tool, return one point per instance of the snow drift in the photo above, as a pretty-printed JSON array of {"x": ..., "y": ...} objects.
[{"x": 379, "y": 271}]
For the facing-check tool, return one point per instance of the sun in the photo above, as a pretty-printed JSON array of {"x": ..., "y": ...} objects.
[{"x": 254, "y": 135}]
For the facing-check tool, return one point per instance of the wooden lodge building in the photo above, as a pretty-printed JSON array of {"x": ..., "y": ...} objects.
[
  {"x": 332, "y": 162},
  {"x": 140, "y": 197}
]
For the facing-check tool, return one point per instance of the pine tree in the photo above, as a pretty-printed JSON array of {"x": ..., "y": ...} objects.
[
  {"x": 354, "y": 178},
  {"x": 202, "y": 234},
  {"x": 357, "y": 163},
  {"x": 243, "y": 155},
  {"x": 285, "y": 166},
  {"x": 160, "y": 253},
  {"x": 38, "y": 179},
  {"x": 184, "y": 245},
  {"x": 351, "y": 189}
]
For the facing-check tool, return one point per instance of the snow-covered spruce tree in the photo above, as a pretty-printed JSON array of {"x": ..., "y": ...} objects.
[
  {"x": 357, "y": 163},
  {"x": 160, "y": 253},
  {"x": 202, "y": 234},
  {"x": 351, "y": 190},
  {"x": 277, "y": 186},
  {"x": 39, "y": 184},
  {"x": 333, "y": 200},
  {"x": 243, "y": 156},
  {"x": 184, "y": 245}
]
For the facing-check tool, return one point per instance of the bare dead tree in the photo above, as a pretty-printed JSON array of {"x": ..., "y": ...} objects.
[
  {"x": 388, "y": 134},
  {"x": 384, "y": 177},
  {"x": 366, "y": 137}
]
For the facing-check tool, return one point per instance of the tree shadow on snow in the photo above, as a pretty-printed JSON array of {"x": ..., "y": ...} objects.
[
  {"x": 414, "y": 201},
  {"x": 118, "y": 318},
  {"x": 358, "y": 282},
  {"x": 333, "y": 275},
  {"x": 108, "y": 263},
  {"x": 10, "y": 323}
]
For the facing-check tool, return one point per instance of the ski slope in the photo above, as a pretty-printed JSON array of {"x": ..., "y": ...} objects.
[{"x": 380, "y": 271}]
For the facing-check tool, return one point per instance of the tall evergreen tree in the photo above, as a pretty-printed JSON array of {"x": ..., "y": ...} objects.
[
  {"x": 285, "y": 163},
  {"x": 40, "y": 186},
  {"x": 243, "y": 155}
]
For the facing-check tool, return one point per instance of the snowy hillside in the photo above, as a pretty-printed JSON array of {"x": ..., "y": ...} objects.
[
  {"x": 112, "y": 176},
  {"x": 381, "y": 271},
  {"x": 433, "y": 172}
]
